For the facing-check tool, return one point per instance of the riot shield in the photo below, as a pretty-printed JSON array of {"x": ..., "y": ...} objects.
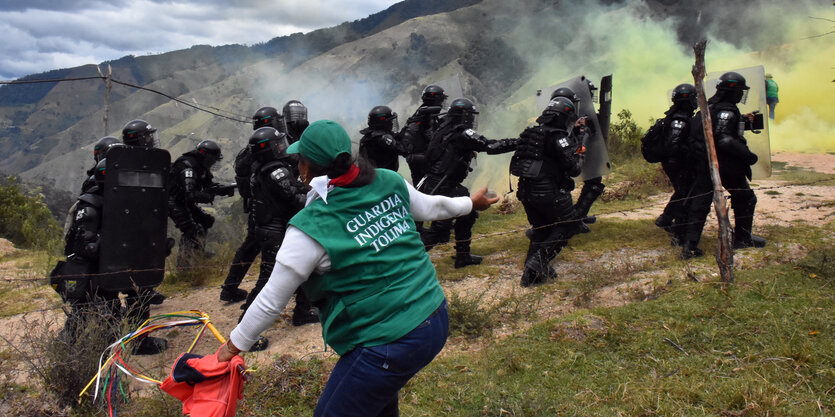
[
  {"x": 759, "y": 143},
  {"x": 452, "y": 88},
  {"x": 135, "y": 217},
  {"x": 596, "y": 159},
  {"x": 604, "y": 109}
]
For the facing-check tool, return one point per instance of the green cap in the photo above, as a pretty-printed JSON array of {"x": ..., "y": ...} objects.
[{"x": 321, "y": 142}]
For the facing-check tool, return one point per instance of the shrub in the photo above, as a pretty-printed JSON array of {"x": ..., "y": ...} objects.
[
  {"x": 624, "y": 137},
  {"x": 24, "y": 218}
]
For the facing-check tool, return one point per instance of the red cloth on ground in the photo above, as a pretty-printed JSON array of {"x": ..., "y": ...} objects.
[{"x": 217, "y": 395}]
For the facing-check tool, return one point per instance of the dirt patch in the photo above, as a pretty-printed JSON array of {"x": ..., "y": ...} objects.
[
  {"x": 823, "y": 163},
  {"x": 6, "y": 248},
  {"x": 779, "y": 202}
]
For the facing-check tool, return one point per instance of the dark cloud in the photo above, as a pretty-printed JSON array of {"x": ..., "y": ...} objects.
[{"x": 41, "y": 35}]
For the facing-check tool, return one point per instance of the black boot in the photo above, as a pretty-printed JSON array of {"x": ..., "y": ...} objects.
[
  {"x": 751, "y": 241},
  {"x": 304, "y": 312},
  {"x": 462, "y": 261},
  {"x": 150, "y": 345},
  {"x": 588, "y": 195},
  {"x": 665, "y": 221},
  {"x": 155, "y": 298},
  {"x": 233, "y": 295},
  {"x": 537, "y": 270},
  {"x": 690, "y": 249},
  {"x": 261, "y": 344}
]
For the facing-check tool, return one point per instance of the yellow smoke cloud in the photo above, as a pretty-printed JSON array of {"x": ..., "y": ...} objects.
[
  {"x": 648, "y": 60},
  {"x": 803, "y": 69}
]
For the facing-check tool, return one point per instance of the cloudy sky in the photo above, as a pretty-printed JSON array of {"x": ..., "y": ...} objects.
[{"x": 40, "y": 35}]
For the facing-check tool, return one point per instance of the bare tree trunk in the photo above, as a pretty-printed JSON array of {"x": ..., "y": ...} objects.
[{"x": 725, "y": 251}]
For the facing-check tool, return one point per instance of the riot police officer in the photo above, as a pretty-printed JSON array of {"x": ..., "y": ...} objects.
[
  {"x": 277, "y": 195},
  {"x": 77, "y": 280},
  {"x": 100, "y": 149},
  {"x": 139, "y": 133},
  {"x": 192, "y": 184},
  {"x": 453, "y": 147},
  {"x": 417, "y": 133},
  {"x": 380, "y": 145},
  {"x": 583, "y": 129},
  {"x": 545, "y": 162},
  {"x": 735, "y": 160},
  {"x": 295, "y": 119},
  {"x": 667, "y": 142},
  {"x": 246, "y": 253}
]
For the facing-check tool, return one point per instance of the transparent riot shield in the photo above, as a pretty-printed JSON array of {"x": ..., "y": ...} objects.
[
  {"x": 596, "y": 159},
  {"x": 452, "y": 88},
  {"x": 759, "y": 143},
  {"x": 135, "y": 218}
]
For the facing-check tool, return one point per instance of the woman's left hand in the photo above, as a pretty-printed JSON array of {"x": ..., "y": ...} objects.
[{"x": 481, "y": 201}]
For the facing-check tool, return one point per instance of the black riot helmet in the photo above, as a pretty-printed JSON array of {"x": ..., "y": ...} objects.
[
  {"x": 732, "y": 87},
  {"x": 295, "y": 118},
  {"x": 210, "y": 151},
  {"x": 560, "y": 113},
  {"x": 268, "y": 144},
  {"x": 99, "y": 171},
  {"x": 138, "y": 133},
  {"x": 567, "y": 93},
  {"x": 267, "y": 116},
  {"x": 383, "y": 118},
  {"x": 463, "y": 111},
  {"x": 103, "y": 145},
  {"x": 433, "y": 95},
  {"x": 684, "y": 94}
]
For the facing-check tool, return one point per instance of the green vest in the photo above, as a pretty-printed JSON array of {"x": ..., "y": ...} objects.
[{"x": 381, "y": 284}]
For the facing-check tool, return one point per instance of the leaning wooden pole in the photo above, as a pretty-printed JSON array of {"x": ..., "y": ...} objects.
[{"x": 725, "y": 251}]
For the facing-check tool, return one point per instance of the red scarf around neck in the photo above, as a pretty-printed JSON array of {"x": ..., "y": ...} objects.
[{"x": 347, "y": 177}]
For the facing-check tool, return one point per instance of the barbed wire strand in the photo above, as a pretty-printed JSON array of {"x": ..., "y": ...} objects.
[
  {"x": 520, "y": 230},
  {"x": 238, "y": 118}
]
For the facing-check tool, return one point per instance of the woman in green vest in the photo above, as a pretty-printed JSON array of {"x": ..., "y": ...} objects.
[{"x": 356, "y": 252}]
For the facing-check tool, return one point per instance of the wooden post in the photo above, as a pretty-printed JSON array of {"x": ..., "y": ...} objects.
[
  {"x": 725, "y": 252},
  {"x": 107, "y": 86}
]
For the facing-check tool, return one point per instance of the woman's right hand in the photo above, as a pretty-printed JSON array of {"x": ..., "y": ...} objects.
[
  {"x": 227, "y": 352},
  {"x": 481, "y": 200}
]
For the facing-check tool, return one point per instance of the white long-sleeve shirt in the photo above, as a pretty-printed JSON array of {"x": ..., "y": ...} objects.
[{"x": 300, "y": 256}]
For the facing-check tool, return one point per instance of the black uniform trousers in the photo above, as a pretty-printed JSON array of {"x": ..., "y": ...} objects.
[
  {"x": 244, "y": 257},
  {"x": 269, "y": 241},
  {"x": 439, "y": 231},
  {"x": 676, "y": 209},
  {"x": 553, "y": 222},
  {"x": 743, "y": 201}
]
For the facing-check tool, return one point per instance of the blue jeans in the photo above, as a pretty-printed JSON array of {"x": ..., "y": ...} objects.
[
  {"x": 772, "y": 104},
  {"x": 365, "y": 381}
]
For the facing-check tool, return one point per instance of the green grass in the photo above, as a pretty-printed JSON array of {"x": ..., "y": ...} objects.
[
  {"x": 764, "y": 345},
  {"x": 799, "y": 175}
]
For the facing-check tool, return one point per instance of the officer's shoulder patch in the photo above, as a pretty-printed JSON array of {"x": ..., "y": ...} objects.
[
  {"x": 81, "y": 213},
  {"x": 280, "y": 174},
  {"x": 471, "y": 133},
  {"x": 725, "y": 115},
  {"x": 188, "y": 173},
  {"x": 677, "y": 124},
  {"x": 563, "y": 142}
]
